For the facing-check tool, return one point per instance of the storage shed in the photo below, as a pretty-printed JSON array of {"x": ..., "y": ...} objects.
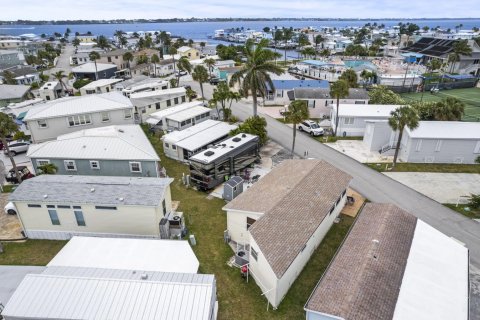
[{"x": 232, "y": 188}]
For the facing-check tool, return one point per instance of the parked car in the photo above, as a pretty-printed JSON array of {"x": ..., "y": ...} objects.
[
  {"x": 215, "y": 81},
  {"x": 311, "y": 127},
  {"x": 17, "y": 147},
  {"x": 181, "y": 73},
  {"x": 10, "y": 208},
  {"x": 22, "y": 170}
]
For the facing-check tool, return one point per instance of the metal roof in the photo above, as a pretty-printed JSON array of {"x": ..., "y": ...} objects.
[
  {"x": 188, "y": 114},
  {"x": 8, "y": 91},
  {"x": 206, "y": 136},
  {"x": 127, "y": 254},
  {"x": 96, "y": 190},
  {"x": 101, "y": 83},
  {"x": 446, "y": 130},
  {"x": 121, "y": 142},
  {"x": 291, "y": 84},
  {"x": 156, "y": 93},
  {"x": 80, "y": 105},
  {"x": 56, "y": 297},
  {"x": 159, "y": 115},
  {"x": 365, "y": 110},
  {"x": 179, "y": 135},
  {"x": 89, "y": 67}
]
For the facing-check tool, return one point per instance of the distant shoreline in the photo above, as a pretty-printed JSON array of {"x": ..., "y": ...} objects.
[{"x": 176, "y": 20}]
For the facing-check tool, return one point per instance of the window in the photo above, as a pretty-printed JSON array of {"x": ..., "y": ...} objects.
[
  {"x": 331, "y": 209},
  {"x": 135, "y": 167},
  {"x": 34, "y": 205},
  {"x": 254, "y": 254},
  {"x": 70, "y": 165},
  {"x": 250, "y": 221},
  {"x": 90, "y": 91},
  {"x": 157, "y": 105},
  {"x": 105, "y": 208},
  {"x": 198, "y": 117},
  {"x": 42, "y": 162},
  {"x": 164, "y": 207},
  {"x": 79, "y": 120},
  {"x": 348, "y": 120},
  {"x": 109, "y": 59},
  {"x": 79, "y": 218},
  {"x": 175, "y": 100},
  {"x": 94, "y": 165},
  {"x": 61, "y": 206},
  {"x": 50, "y": 206},
  {"x": 105, "y": 117},
  {"x": 127, "y": 113},
  {"x": 183, "y": 99},
  {"x": 42, "y": 123},
  {"x": 54, "y": 217},
  {"x": 77, "y": 207},
  {"x": 174, "y": 147},
  {"x": 169, "y": 103}
]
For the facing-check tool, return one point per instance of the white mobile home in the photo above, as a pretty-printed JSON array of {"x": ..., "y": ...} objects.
[
  {"x": 159, "y": 119},
  {"x": 99, "y": 86},
  {"x": 393, "y": 266},
  {"x": 180, "y": 145},
  {"x": 300, "y": 201},
  {"x": 61, "y": 206},
  {"x": 51, "y": 90},
  {"x": 145, "y": 85},
  {"x": 70, "y": 114},
  {"x": 352, "y": 118},
  {"x": 148, "y": 102},
  {"x": 187, "y": 118}
]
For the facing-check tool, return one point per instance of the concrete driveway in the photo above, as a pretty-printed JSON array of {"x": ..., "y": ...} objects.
[
  {"x": 20, "y": 160},
  {"x": 10, "y": 227},
  {"x": 453, "y": 185},
  {"x": 10, "y": 278}
]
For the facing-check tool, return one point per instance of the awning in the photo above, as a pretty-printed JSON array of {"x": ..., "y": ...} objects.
[
  {"x": 152, "y": 121},
  {"x": 22, "y": 115},
  {"x": 412, "y": 54}
]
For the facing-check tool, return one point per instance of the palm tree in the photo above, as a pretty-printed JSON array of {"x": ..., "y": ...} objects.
[
  {"x": 210, "y": 62},
  {"x": 254, "y": 76},
  {"x": 202, "y": 45},
  {"x": 200, "y": 75},
  {"x": 183, "y": 65},
  {"x": 287, "y": 35},
  {"x": 449, "y": 109},
  {"x": 308, "y": 52},
  {"x": 155, "y": 59},
  {"x": 318, "y": 39},
  {"x": 128, "y": 56},
  {"x": 222, "y": 94},
  {"x": 8, "y": 128},
  {"x": 76, "y": 42},
  {"x": 460, "y": 48},
  {"x": 119, "y": 34},
  {"x": 338, "y": 90},
  {"x": 102, "y": 43},
  {"x": 404, "y": 116},
  {"x": 277, "y": 36},
  {"x": 434, "y": 64},
  {"x": 59, "y": 75},
  {"x": 9, "y": 77},
  {"x": 94, "y": 56},
  {"x": 173, "y": 51},
  {"x": 350, "y": 76},
  {"x": 48, "y": 168},
  {"x": 297, "y": 112}
]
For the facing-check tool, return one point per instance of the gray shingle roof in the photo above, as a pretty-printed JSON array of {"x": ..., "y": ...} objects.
[
  {"x": 9, "y": 91},
  {"x": 322, "y": 93},
  {"x": 358, "y": 286},
  {"x": 78, "y": 189},
  {"x": 296, "y": 196}
]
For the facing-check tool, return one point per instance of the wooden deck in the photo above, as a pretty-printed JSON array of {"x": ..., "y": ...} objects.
[{"x": 353, "y": 209}]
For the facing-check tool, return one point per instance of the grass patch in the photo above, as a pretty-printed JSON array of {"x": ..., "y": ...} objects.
[
  {"x": 469, "y": 212},
  {"x": 335, "y": 139},
  {"x": 427, "y": 167},
  {"x": 30, "y": 252},
  {"x": 238, "y": 299},
  {"x": 8, "y": 188}
]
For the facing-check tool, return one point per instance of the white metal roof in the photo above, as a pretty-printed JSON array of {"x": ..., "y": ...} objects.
[
  {"x": 89, "y": 67},
  {"x": 101, "y": 83},
  {"x": 121, "y": 142},
  {"x": 184, "y": 49},
  {"x": 207, "y": 136},
  {"x": 365, "y": 110},
  {"x": 158, "y": 93},
  {"x": 224, "y": 147},
  {"x": 56, "y": 297},
  {"x": 178, "y": 135},
  {"x": 80, "y": 105},
  {"x": 50, "y": 85},
  {"x": 145, "y": 84},
  {"x": 446, "y": 130},
  {"x": 188, "y": 114},
  {"x": 435, "y": 281},
  {"x": 11, "y": 91},
  {"x": 159, "y": 115},
  {"x": 127, "y": 254}
]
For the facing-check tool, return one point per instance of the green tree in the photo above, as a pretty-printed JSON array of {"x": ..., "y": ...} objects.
[
  {"x": 173, "y": 83},
  {"x": 277, "y": 36},
  {"x": 356, "y": 50},
  {"x": 350, "y": 76},
  {"x": 253, "y": 125},
  {"x": 382, "y": 95},
  {"x": 173, "y": 51},
  {"x": 59, "y": 75},
  {"x": 200, "y": 75},
  {"x": 287, "y": 35},
  {"x": 254, "y": 76},
  {"x": 210, "y": 62},
  {"x": 434, "y": 64},
  {"x": 8, "y": 77},
  {"x": 48, "y": 168},
  {"x": 142, "y": 59},
  {"x": 474, "y": 201},
  {"x": 76, "y": 42},
  {"x": 338, "y": 90},
  {"x": 318, "y": 39},
  {"x": 128, "y": 56},
  {"x": 308, "y": 52},
  {"x": 20, "y": 135},
  {"x": 8, "y": 128},
  {"x": 102, "y": 43},
  {"x": 202, "y": 45},
  {"x": 183, "y": 65},
  {"x": 155, "y": 59},
  {"x": 449, "y": 109},
  {"x": 224, "y": 96},
  {"x": 266, "y": 29},
  {"x": 404, "y": 116},
  {"x": 94, "y": 56},
  {"x": 191, "y": 94},
  {"x": 460, "y": 48},
  {"x": 297, "y": 112}
]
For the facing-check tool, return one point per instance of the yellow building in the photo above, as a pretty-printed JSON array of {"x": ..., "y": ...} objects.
[{"x": 190, "y": 53}]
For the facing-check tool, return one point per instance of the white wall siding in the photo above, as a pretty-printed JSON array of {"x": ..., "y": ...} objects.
[{"x": 237, "y": 225}]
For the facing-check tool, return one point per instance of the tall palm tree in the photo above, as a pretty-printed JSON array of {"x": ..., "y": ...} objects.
[
  {"x": 338, "y": 90},
  {"x": 128, "y": 56},
  {"x": 8, "y": 128},
  {"x": 460, "y": 48},
  {"x": 155, "y": 59},
  {"x": 449, "y": 109},
  {"x": 318, "y": 39},
  {"x": 76, "y": 42},
  {"x": 102, "y": 43},
  {"x": 173, "y": 51},
  {"x": 287, "y": 35},
  {"x": 404, "y": 116},
  {"x": 277, "y": 36},
  {"x": 94, "y": 56},
  {"x": 119, "y": 34},
  {"x": 223, "y": 95},
  {"x": 59, "y": 75},
  {"x": 254, "y": 76},
  {"x": 200, "y": 75},
  {"x": 183, "y": 65},
  {"x": 297, "y": 112},
  {"x": 209, "y": 63}
]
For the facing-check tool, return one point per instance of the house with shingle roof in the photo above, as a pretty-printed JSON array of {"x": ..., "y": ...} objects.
[
  {"x": 393, "y": 266},
  {"x": 300, "y": 199}
]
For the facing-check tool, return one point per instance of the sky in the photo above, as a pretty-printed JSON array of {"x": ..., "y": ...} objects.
[{"x": 134, "y": 9}]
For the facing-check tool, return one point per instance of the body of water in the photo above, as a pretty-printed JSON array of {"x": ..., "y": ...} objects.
[{"x": 201, "y": 30}]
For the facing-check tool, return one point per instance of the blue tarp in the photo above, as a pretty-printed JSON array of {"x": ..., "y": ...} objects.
[
  {"x": 292, "y": 84},
  {"x": 412, "y": 54}
]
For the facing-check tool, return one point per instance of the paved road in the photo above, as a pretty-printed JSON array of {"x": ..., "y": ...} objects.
[{"x": 63, "y": 62}]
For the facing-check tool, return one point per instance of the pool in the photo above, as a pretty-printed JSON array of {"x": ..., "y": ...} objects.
[{"x": 359, "y": 64}]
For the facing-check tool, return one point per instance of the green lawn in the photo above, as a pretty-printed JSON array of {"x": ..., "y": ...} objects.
[
  {"x": 30, "y": 252},
  {"x": 238, "y": 299},
  {"x": 470, "y": 213},
  {"x": 470, "y": 96},
  {"x": 427, "y": 167},
  {"x": 334, "y": 139},
  {"x": 8, "y": 188}
]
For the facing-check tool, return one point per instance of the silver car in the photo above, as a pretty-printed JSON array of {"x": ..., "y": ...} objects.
[{"x": 17, "y": 147}]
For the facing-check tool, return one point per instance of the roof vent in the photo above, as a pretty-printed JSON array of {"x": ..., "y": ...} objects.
[
  {"x": 209, "y": 153},
  {"x": 121, "y": 130},
  {"x": 92, "y": 190},
  {"x": 224, "y": 145},
  {"x": 45, "y": 196},
  {"x": 244, "y": 135},
  {"x": 144, "y": 276},
  {"x": 120, "y": 199},
  {"x": 236, "y": 139}
]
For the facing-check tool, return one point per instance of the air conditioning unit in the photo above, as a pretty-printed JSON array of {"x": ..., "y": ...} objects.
[{"x": 177, "y": 224}]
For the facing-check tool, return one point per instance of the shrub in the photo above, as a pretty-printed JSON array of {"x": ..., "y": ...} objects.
[
  {"x": 253, "y": 125},
  {"x": 474, "y": 201},
  {"x": 80, "y": 83}
]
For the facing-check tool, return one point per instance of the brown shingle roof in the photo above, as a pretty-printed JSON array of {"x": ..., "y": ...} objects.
[
  {"x": 294, "y": 197},
  {"x": 358, "y": 286}
]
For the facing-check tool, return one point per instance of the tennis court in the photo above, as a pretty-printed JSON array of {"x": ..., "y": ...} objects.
[{"x": 470, "y": 96}]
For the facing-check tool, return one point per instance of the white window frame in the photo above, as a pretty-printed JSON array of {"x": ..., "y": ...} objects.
[
  {"x": 131, "y": 163},
  {"x": 42, "y": 126},
  {"x": 67, "y": 162},
  {"x": 79, "y": 120},
  {"x": 107, "y": 118},
  {"x": 92, "y": 162},
  {"x": 127, "y": 114},
  {"x": 351, "y": 120},
  {"x": 45, "y": 161}
]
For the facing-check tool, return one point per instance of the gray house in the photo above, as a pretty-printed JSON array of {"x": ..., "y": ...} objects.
[
  {"x": 88, "y": 70},
  {"x": 122, "y": 150}
]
